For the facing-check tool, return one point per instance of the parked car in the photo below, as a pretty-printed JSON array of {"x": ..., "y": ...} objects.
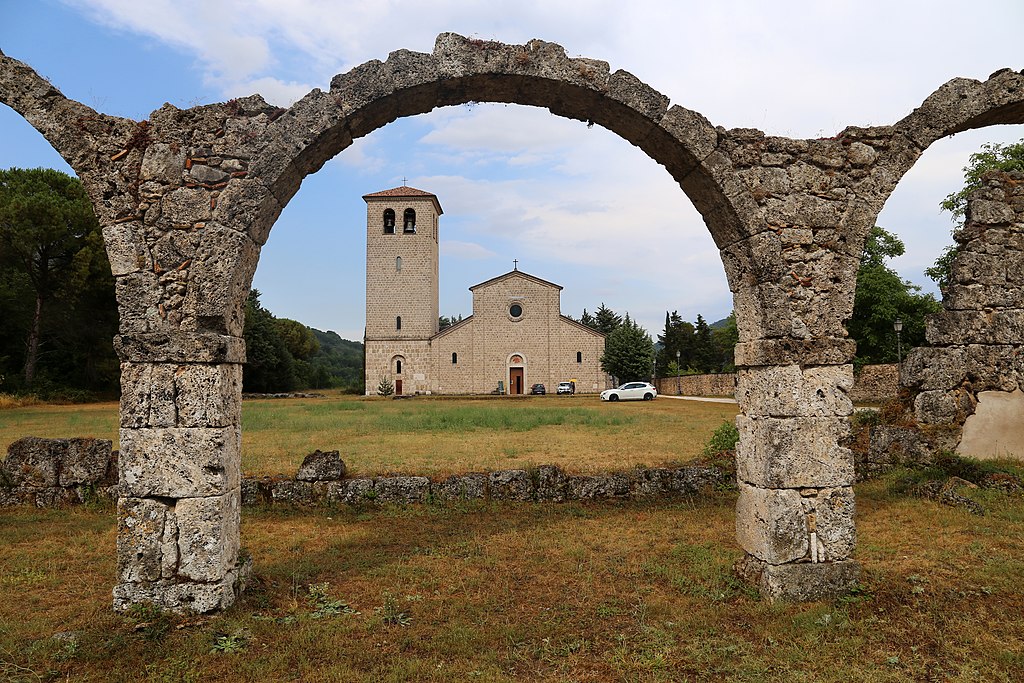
[
  {"x": 630, "y": 391},
  {"x": 538, "y": 389},
  {"x": 566, "y": 388}
]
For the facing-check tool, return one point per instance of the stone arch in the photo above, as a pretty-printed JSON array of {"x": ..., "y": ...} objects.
[{"x": 188, "y": 197}]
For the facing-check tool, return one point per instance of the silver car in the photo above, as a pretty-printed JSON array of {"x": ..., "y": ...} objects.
[{"x": 630, "y": 391}]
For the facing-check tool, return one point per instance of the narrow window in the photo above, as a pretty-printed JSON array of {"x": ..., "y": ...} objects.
[
  {"x": 398, "y": 323},
  {"x": 579, "y": 356},
  {"x": 455, "y": 358},
  {"x": 409, "y": 222},
  {"x": 398, "y": 367},
  {"x": 389, "y": 221},
  {"x": 398, "y": 264}
]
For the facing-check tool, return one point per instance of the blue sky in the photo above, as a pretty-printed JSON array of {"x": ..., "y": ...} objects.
[{"x": 576, "y": 206}]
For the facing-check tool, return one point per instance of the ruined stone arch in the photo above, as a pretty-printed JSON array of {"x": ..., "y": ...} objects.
[{"x": 188, "y": 198}]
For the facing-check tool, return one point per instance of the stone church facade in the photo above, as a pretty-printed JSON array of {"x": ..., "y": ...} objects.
[{"x": 515, "y": 337}]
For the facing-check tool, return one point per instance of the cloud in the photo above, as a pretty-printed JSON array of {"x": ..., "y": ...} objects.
[{"x": 465, "y": 250}]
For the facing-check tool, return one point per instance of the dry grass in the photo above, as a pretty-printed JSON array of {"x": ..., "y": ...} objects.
[
  {"x": 600, "y": 592},
  {"x": 431, "y": 436}
]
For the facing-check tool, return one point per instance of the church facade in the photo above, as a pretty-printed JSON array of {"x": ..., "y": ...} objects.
[{"x": 515, "y": 337}]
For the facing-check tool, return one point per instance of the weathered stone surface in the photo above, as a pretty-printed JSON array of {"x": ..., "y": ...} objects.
[
  {"x": 178, "y": 347},
  {"x": 164, "y": 163},
  {"x": 791, "y": 390},
  {"x": 801, "y": 582},
  {"x": 34, "y": 462},
  {"x": 551, "y": 483},
  {"x": 460, "y": 487},
  {"x": 208, "y": 536},
  {"x": 85, "y": 462},
  {"x": 140, "y": 539},
  {"x": 598, "y": 486},
  {"x": 290, "y": 492},
  {"x": 650, "y": 482},
  {"x": 126, "y": 250},
  {"x": 321, "y": 466},
  {"x": 179, "y": 462},
  {"x": 771, "y": 524},
  {"x": 185, "y": 597},
  {"x": 354, "y": 491},
  {"x": 510, "y": 485},
  {"x": 834, "y": 510},
  {"x": 793, "y": 452},
  {"x": 401, "y": 490},
  {"x": 174, "y": 395},
  {"x": 696, "y": 478}
]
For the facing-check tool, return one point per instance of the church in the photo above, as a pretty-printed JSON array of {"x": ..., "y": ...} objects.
[{"x": 515, "y": 337}]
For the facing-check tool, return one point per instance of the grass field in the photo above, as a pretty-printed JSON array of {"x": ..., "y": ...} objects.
[
  {"x": 518, "y": 592},
  {"x": 431, "y": 437}
]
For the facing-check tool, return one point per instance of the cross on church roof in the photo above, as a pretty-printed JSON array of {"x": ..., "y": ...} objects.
[{"x": 515, "y": 264}]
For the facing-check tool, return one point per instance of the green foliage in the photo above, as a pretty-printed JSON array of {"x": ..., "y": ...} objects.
[
  {"x": 701, "y": 348},
  {"x": 628, "y": 352},
  {"x": 606, "y": 320},
  {"x": 230, "y": 643},
  {"x": 269, "y": 367},
  {"x": 392, "y": 613},
  {"x": 882, "y": 297},
  {"x": 992, "y": 157},
  {"x": 338, "y": 363},
  {"x": 56, "y": 291},
  {"x": 298, "y": 339},
  {"x": 320, "y": 600},
  {"x": 723, "y": 440},
  {"x": 385, "y": 387}
]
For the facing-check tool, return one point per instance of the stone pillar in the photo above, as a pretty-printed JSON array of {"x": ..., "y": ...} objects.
[
  {"x": 180, "y": 473},
  {"x": 794, "y": 517}
]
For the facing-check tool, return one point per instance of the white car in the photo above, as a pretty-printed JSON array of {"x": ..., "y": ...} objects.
[{"x": 630, "y": 391}]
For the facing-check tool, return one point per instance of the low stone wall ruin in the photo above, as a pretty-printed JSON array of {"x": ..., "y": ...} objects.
[
  {"x": 723, "y": 384},
  {"x": 58, "y": 472},
  {"x": 873, "y": 384}
]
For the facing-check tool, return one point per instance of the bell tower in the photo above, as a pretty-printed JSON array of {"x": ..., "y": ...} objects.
[{"x": 401, "y": 283}]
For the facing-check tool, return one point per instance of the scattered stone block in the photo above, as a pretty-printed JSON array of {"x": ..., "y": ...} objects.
[{"x": 322, "y": 466}]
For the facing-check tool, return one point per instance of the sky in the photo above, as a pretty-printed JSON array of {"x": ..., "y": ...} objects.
[{"x": 574, "y": 205}]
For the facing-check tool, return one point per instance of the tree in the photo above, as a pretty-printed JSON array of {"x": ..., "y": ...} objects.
[
  {"x": 676, "y": 337},
  {"x": 628, "y": 352},
  {"x": 269, "y": 367},
  {"x": 45, "y": 222},
  {"x": 606, "y": 320},
  {"x": 725, "y": 335},
  {"x": 385, "y": 388},
  {"x": 298, "y": 339},
  {"x": 704, "y": 356},
  {"x": 883, "y": 296},
  {"x": 588, "y": 320},
  {"x": 992, "y": 157},
  {"x": 51, "y": 248}
]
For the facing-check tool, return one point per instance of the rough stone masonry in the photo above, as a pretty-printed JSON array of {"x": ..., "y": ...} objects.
[{"x": 188, "y": 197}]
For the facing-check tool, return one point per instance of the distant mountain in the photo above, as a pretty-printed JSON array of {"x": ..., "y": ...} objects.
[{"x": 340, "y": 359}]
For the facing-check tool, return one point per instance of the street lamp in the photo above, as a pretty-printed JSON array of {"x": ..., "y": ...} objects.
[
  {"x": 679, "y": 386},
  {"x": 898, "y": 326}
]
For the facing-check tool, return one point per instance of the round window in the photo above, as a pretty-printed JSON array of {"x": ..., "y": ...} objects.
[{"x": 515, "y": 310}]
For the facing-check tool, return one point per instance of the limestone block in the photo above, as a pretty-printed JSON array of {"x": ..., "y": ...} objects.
[
  {"x": 401, "y": 490},
  {"x": 185, "y": 597},
  {"x": 138, "y": 300},
  {"x": 790, "y": 390},
  {"x": 860, "y": 154},
  {"x": 834, "y": 517},
  {"x": 208, "y": 395},
  {"x": 140, "y": 539},
  {"x": 185, "y": 207},
  {"x": 250, "y": 204},
  {"x": 650, "y": 482},
  {"x": 356, "y": 491},
  {"x": 788, "y": 351},
  {"x": 33, "y": 462},
  {"x": 175, "y": 250},
  {"x": 691, "y": 128},
  {"x": 766, "y": 181},
  {"x": 85, "y": 461},
  {"x": 171, "y": 346},
  {"x": 984, "y": 269},
  {"x": 179, "y": 462},
  {"x": 793, "y": 452},
  {"x": 126, "y": 248},
  {"x": 219, "y": 280},
  {"x": 1001, "y": 326},
  {"x": 163, "y": 162},
  {"x": 988, "y": 212},
  {"x": 771, "y": 524},
  {"x": 800, "y": 582},
  {"x": 598, "y": 487},
  {"x": 804, "y": 210},
  {"x": 461, "y": 487},
  {"x": 931, "y": 368},
  {"x": 321, "y": 466},
  {"x": 696, "y": 478},
  {"x": 147, "y": 395},
  {"x": 208, "y": 536},
  {"x": 510, "y": 485},
  {"x": 290, "y": 492},
  {"x": 942, "y": 407},
  {"x": 201, "y": 173},
  {"x": 551, "y": 483}
]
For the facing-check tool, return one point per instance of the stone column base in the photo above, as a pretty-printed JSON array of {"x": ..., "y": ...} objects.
[
  {"x": 185, "y": 597},
  {"x": 799, "y": 581}
]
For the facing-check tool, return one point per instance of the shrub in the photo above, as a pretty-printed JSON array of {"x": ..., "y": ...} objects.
[{"x": 723, "y": 440}]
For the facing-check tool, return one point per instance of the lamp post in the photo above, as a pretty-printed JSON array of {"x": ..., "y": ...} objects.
[
  {"x": 898, "y": 326},
  {"x": 679, "y": 386}
]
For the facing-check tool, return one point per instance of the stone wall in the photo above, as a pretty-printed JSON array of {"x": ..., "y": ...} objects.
[
  {"x": 976, "y": 341},
  {"x": 876, "y": 383},
  {"x": 873, "y": 384},
  {"x": 56, "y": 472}
]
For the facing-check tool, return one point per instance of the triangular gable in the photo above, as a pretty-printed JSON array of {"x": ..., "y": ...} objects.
[{"x": 512, "y": 273}]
